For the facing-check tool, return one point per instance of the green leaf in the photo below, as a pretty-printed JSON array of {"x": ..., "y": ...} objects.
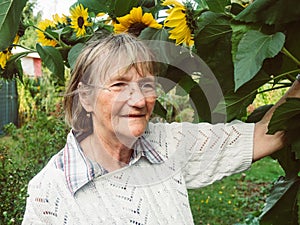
[
  {"x": 258, "y": 114},
  {"x": 73, "y": 54},
  {"x": 53, "y": 60},
  {"x": 10, "y": 14},
  {"x": 160, "y": 110},
  {"x": 123, "y": 7},
  {"x": 281, "y": 207},
  {"x": 235, "y": 105},
  {"x": 201, "y": 105},
  {"x": 212, "y": 26},
  {"x": 12, "y": 69},
  {"x": 217, "y": 5},
  {"x": 238, "y": 31},
  {"x": 97, "y": 6},
  {"x": 216, "y": 53},
  {"x": 283, "y": 116},
  {"x": 185, "y": 85},
  {"x": 292, "y": 45},
  {"x": 253, "y": 49},
  {"x": 271, "y": 12},
  {"x": 154, "y": 34},
  {"x": 286, "y": 117}
]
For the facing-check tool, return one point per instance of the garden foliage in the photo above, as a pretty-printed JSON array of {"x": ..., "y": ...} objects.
[{"x": 245, "y": 46}]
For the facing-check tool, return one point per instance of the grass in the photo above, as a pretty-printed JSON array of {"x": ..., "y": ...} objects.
[{"x": 232, "y": 199}]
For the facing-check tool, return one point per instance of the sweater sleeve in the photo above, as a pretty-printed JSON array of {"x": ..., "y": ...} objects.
[{"x": 219, "y": 150}]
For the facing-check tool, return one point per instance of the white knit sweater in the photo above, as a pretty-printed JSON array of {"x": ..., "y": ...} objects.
[{"x": 195, "y": 155}]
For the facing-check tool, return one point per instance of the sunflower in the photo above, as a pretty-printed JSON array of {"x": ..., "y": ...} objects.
[
  {"x": 180, "y": 18},
  {"x": 135, "y": 22},
  {"x": 79, "y": 20},
  {"x": 4, "y": 57},
  {"x": 43, "y": 38},
  {"x": 60, "y": 21}
]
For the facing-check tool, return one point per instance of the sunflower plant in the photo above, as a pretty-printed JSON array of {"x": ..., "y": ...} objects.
[{"x": 246, "y": 44}]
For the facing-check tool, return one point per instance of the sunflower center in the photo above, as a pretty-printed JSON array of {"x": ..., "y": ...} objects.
[
  {"x": 80, "y": 22},
  {"x": 190, "y": 20},
  {"x": 136, "y": 28}
]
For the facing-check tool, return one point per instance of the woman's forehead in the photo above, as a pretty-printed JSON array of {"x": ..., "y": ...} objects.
[{"x": 130, "y": 73}]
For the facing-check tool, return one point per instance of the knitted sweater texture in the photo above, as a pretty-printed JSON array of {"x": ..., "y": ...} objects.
[{"x": 143, "y": 193}]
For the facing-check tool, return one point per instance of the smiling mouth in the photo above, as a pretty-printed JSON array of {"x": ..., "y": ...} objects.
[{"x": 133, "y": 115}]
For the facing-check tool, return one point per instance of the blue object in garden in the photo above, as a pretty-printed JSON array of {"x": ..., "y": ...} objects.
[{"x": 8, "y": 103}]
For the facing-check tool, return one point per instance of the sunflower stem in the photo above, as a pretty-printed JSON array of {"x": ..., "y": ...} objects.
[
  {"x": 59, "y": 41},
  {"x": 24, "y": 47},
  {"x": 288, "y": 54},
  {"x": 287, "y": 75}
]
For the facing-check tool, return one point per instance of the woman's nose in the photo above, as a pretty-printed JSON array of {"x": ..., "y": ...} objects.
[{"x": 136, "y": 97}]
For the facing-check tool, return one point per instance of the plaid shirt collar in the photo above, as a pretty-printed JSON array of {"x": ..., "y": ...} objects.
[{"x": 79, "y": 170}]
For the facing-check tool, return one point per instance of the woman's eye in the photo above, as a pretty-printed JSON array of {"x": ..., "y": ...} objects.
[
  {"x": 148, "y": 86},
  {"x": 118, "y": 86}
]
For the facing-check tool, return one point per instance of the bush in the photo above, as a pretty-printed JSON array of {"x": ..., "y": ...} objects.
[{"x": 23, "y": 153}]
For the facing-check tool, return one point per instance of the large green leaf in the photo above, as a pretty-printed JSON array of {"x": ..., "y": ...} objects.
[
  {"x": 154, "y": 34},
  {"x": 12, "y": 69},
  {"x": 286, "y": 117},
  {"x": 253, "y": 49},
  {"x": 212, "y": 26},
  {"x": 73, "y": 54},
  {"x": 283, "y": 116},
  {"x": 10, "y": 14},
  {"x": 238, "y": 31},
  {"x": 235, "y": 105},
  {"x": 213, "y": 44},
  {"x": 53, "y": 60},
  {"x": 97, "y": 6},
  {"x": 258, "y": 113},
  {"x": 217, "y": 5},
  {"x": 292, "y": 45},
  {"x": 281, "y": 205},
  {"x": 271, "y": 12},
  {"x": 123, "y": 7}
]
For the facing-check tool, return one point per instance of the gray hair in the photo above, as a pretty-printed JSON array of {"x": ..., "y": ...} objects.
[{"x": 98, "y": 61}]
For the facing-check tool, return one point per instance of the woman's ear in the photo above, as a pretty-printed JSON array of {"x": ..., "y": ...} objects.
[{"x": 85, "y": 98}]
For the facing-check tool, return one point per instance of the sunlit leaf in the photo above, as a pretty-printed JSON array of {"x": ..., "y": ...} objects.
[{"x": 253, "y": 49}]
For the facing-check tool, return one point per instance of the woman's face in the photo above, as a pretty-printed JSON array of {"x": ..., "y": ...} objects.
[{"x": 124, "y": 108}]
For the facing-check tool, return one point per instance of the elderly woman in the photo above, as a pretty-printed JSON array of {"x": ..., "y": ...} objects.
[{"x": 119, "y": 168}]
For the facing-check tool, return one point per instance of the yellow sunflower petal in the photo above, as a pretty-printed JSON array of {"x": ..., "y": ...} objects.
[
  {"x": 136, "y": 14},
  {"x": 177, "y": 14},
  {"x": 79, "y": 20},
  {"x": 125, "y": 20},
  {"x": 175, "y": 23},
  {"x": 150, "y": 21},
  {"x": 119, "y": 28},
  {"x": 172, "y": 2}
]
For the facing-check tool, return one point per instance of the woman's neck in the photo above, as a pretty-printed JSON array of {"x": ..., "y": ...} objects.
[{"x": 109, "y": 153}]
